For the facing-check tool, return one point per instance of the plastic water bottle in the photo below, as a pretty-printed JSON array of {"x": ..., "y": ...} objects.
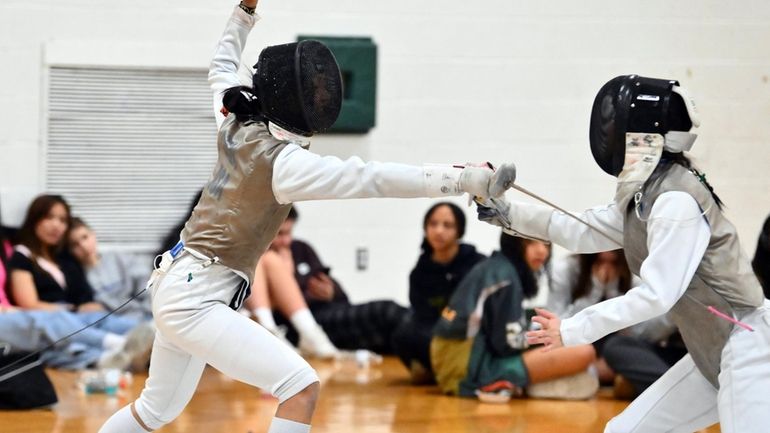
[{"x": 105, "y": 381}]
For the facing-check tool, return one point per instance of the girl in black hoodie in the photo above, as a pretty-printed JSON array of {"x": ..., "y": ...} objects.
[{"x": 443, "y": 263}]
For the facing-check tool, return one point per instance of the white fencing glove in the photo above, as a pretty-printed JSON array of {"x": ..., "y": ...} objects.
[
  {"x": 478, "y": 180},
  {"x": 485, "y": 181},
  {"x": 494, "y": 211},
  {"x": 531, "y": 218}
]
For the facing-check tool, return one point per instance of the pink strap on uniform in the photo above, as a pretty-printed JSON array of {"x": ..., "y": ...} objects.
[{"x": 722, "y": 315}]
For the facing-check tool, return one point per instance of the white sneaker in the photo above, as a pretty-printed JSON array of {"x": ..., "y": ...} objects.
[
  {"x": 135, "y": 353},
  {"x": 316, "y": 344},
  {"x": 581, "y": 386}
]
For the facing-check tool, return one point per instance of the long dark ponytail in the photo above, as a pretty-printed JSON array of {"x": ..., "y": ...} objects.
[
  {"x": 668, "y": 159},
  {"x": 513, "y": 248},
  {"x": 761, "y": 261}
]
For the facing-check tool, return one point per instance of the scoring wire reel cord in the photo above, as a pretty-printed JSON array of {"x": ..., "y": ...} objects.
[{"x": 8, "y": 371}]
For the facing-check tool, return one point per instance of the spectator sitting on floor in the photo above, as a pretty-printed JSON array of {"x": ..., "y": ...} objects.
[
  {"x": 42, "y": 275},
  {"x": 640, "y": 354},
  {"x": 31, "y": 330},
  {"x": 444, "y": 261},
  {"x": 363, "y": 326},
  {"x": 114, "y": 277},
  {"x": 479, "y": 342}
]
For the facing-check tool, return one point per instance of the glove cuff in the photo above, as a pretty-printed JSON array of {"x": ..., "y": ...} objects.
[
  {"x": 442, "y": 180},
  {"x": 530, "y": 220}
]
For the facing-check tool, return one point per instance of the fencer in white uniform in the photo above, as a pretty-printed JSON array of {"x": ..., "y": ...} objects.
[
  {"x": 669, "y": 221},
  {"x": 263, "y": 166}
]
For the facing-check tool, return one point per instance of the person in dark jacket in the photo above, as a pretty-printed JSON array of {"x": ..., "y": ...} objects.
[
  {"x": 479, "y": 343},
  {"x": 444, "y": 261}
]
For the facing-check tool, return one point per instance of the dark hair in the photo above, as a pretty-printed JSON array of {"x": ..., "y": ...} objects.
[
  {"x": 37, "y": 211},
  {"x": 77, "y": 222},
  {"x": 242, "y": 102},
  {"x": 459, "y": 217},
  {"x": 513, "y": 248},
  {"x": 3, "y": 238},
  {"x": 761, "y": 261},
  {"x": 668, "y": 159},
  {"x": 293, "y": 214},
  {"x": 582, "y": 283}
]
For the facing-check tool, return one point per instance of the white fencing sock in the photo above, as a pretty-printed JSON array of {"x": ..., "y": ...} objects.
[
  {"x": 280, "y": 425},
  {"x": 265, "y": 317},
  {"x": 304, "y": 322}
]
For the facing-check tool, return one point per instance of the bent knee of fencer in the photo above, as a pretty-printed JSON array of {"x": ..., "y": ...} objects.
[{"x": 295, "y": 383}]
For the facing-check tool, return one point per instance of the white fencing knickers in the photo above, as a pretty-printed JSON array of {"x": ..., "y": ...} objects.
[
  {"x": 683, "y": 401},
  {"x": 197, "y": 327}
]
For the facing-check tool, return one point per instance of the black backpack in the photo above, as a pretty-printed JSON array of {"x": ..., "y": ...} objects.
[{"x": 29, "y": 389}]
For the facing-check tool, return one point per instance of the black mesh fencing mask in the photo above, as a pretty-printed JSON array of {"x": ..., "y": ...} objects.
[
  {"x": 299, "y": 86},
  {"x": 630, "y": 103}
]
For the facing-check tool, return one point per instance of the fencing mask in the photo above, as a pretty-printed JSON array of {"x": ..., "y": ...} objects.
[
  {"x": 299, "y": 86},
  {"x": 634, "y": 104}
]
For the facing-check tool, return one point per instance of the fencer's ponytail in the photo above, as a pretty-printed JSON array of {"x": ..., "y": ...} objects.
[
  {"x": 242, "y": 102},
  {"x": 670, "y": 158}
]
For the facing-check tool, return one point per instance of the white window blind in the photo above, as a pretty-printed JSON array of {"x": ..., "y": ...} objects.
[{"x": 129, "y": 148}]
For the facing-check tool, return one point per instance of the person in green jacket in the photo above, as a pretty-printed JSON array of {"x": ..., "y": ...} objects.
[{"x": 479, "y": 343}]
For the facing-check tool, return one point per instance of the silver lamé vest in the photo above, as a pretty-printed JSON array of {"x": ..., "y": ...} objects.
[
  {"x": 724, "y": 279},
  {"x": 238, "y": 216}
]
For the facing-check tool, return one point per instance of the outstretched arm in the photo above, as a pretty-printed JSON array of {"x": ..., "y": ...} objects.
[
  {"x": 300, "y": 175},
  {"x": 543, "y": 223},
  {"x": 223, "y": 71},
  {"x": 677, "y": 238}
]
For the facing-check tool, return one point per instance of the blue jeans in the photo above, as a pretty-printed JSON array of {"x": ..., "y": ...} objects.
[{"x": 28, "y": 331}]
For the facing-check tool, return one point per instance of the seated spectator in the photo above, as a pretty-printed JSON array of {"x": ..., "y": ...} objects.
[
  {"x": 640, "y": 354},
  {"x": 27, "y": 331},
  {"x": 443, "y": 263},
  {"x": 114, "y": 277},
  {"x": 581, "y": 280},
  {"x": 480, "y": 343},
  {"x": 761, "y": 262},
  {"x": 275, "y": 286},
  {"x": 33, "y": 330},
  {"x": 363, "y": 326},
  {"x": 42, "y": 275}
]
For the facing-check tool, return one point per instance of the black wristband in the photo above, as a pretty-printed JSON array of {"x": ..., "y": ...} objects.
[{"x": 247, "y": 9}]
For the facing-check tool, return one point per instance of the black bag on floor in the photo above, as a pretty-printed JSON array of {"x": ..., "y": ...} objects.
[{"x": 27, "y": 390}]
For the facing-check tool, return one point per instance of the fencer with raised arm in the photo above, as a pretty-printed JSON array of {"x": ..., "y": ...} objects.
[{"x": 263, "y": 166}]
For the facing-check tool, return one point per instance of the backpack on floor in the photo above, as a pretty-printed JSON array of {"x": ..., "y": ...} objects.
[{"x": 29, "y": 389}]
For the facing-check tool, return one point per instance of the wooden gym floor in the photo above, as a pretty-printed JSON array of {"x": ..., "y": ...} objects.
[{"x": 375, "y": 401}]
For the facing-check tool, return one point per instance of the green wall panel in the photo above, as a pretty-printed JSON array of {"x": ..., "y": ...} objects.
[{"x": 357, "y": 58}]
